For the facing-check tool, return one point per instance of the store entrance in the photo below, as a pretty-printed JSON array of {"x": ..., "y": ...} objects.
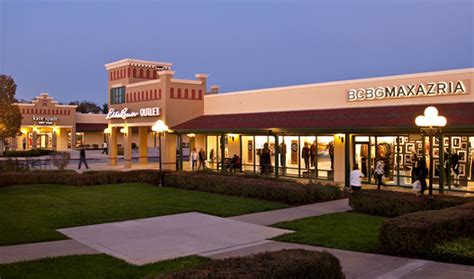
[
  {"x": 362, "y": 159},
  {"x": 45, "y": 140}
]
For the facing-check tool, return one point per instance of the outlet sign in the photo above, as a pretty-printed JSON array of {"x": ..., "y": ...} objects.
[
  {"x": 125, "y": 113},
  {"x": 430, "y": 89}
]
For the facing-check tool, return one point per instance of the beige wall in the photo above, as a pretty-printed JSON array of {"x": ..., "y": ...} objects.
[
  {"x": 45, "y": 106},
  {"x": 334, "y": 94}
]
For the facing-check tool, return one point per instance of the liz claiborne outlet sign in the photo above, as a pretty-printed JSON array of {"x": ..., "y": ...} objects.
[
  {"x": 430, "y": 89},
  {"x": 124, "y": 113}
]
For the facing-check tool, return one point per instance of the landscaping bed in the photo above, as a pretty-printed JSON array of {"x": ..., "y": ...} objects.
[
  {"x": 392, "y": 204},
  {"x": 295, "y": 263},
  {"x": 285, "y": 191}
]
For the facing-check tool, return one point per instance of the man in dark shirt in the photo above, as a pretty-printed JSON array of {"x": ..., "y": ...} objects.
[{"x": 82, "y": 158}]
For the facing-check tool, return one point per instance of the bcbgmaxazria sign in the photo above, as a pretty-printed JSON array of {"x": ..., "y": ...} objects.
[{"x": 442, "y": 88}]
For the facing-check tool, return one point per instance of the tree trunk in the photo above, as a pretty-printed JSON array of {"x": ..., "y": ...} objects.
[{"x": 2, "y": 146}]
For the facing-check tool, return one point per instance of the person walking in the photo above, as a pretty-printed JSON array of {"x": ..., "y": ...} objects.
[
  {"x": 193, "y": 158},
  {"x": 105, "y": 148},
  {"x": 379, "y": 172},
  {"x": 202, "y": 159},
  {"x": 421, "y": 174},
  {"x": 355, "y": 177},
  {"x": 82, "y": 158}
]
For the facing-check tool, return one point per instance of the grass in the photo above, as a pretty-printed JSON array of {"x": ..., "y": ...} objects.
[
  {"x": 32, "y": 213},
  {"x": 92, "y": 267},
  {"x": 348, "y": 231}
]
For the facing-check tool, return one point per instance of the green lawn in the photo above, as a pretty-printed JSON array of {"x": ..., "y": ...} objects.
[
  {"x": 92, "y": 267},
  {"x": 348, "y": 230},
  {"x": 32, "y": 213}
]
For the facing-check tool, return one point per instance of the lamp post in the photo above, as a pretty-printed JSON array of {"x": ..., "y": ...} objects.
[
  {"x": 431, "y": 125},
  {"x": 159, "y": 127}
]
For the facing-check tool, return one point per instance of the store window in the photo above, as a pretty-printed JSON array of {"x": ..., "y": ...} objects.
[{"x": 117, "y": 95}]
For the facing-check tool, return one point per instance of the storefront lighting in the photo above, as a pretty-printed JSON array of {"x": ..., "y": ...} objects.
[
  {"x": 431, "y": 118},
  {"x": 160, "y": 127},
  {"x": 55, "y": 129},
  {"x": 191, "y": 135},
  {"x": 107, "y": 131},
  {"x": 123, "y": 130},
  {"x": 24, "y": 131},
  {"x": 340, "y": 137}
]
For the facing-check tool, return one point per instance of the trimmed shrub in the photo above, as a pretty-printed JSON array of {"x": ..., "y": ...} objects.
[
  {"x": 235, "y": 185},
  {"x": 69, "y": 177},
  {"x": 392, "y": 204},
  {"x": 459, "y": 251},
  {"x": 296, "y": 263},
  {"x": 415, "y": 234},
  {"x": 61, "y": 159},
  {"x": 28, "y": 153}
]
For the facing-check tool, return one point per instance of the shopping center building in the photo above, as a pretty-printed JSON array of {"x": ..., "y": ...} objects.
[
  {"x": 47, "y": 124},
  {"x": 317, "y": 131}
]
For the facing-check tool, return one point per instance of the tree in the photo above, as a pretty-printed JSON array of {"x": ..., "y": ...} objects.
[
  {"x": 105, "y": 108},
  {"x": 10, "y": 116},
  {"x": 86, "y": 106}
]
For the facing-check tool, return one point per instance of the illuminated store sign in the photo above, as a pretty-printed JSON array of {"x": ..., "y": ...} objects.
[
  {"x": 45, "y": 120},
  {"x": 441, "y": 88},
  {"x": 124, "y": 113}
]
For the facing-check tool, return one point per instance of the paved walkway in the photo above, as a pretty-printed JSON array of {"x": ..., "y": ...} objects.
[
  {"x": 363, "y": 265},
  {"x": 287, "y": 214}
]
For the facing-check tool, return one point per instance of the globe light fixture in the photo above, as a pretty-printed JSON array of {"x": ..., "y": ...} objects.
[
  {"x": 431, "y": 124},
  {"x": 160, "y": 127}
]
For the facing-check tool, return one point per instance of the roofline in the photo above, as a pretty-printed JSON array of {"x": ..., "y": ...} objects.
[
  {"x": 344, "y": 82},
  {"x": 127, "y": 61}
]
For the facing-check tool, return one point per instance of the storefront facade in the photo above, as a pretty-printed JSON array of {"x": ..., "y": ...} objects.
[
  {"x": 318, "y": 131},
  {"x": 46, "y": 124}
]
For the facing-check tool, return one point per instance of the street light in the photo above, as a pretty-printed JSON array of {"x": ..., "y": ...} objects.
[
  {"x": 431, "y": 125},
  {"x": 159, "y": 127}
]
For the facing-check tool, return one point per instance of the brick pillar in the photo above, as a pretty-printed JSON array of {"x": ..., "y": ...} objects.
[
  {"x": 127, "y": 147},
  {"x": 113, "y": 146}
]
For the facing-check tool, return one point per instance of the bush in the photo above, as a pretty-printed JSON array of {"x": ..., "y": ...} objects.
[
  {"x": 459, "y": 251},
  {"x": 392, "y": 204},
  {"x": 415, "y": 234},
  {"x": 235, "y": 185},
  {"x": 28, "y": 153},
  {"x": 280, "y": 264},
  {"x": 13, "y": 165},
  {"x": 61, "y": 159},
  {"x": 72, "y": 178}
]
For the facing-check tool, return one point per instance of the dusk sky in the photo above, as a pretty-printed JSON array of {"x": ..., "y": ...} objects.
[{"x": 61, "y": 46}]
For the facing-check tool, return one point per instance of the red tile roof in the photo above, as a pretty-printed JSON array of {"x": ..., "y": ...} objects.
[{"x": 459, "y": 115}]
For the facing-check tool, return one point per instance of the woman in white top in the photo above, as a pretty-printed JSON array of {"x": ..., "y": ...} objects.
[
  {"x": 356, "y": 174},
  {"x": 193, "y": 158},
  {"x": 379, "y": 172}
]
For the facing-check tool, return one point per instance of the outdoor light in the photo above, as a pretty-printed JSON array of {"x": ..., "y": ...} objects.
[
  {"x": 160, "y": 127},
  {"x": 191, "y": 135},
  {"x": 431, "y": 125},
  {"x": 55, "y": 129},
  {"x": 124, "y": 130},
  {"x": 107, "y": 131},
  {"x": 24, "y": 131},
  {"x": 340, "y": 137}
]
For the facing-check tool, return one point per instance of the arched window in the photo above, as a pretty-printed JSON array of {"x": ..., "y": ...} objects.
[
  {"x": 134, "y": 96},
  {"x": 159, "y": 94},
  {"x": 186, "y": 93},
  {"x": 154, "y": 95},
  {"x": 134, "y": 72},
  {"x": 124, "y": 73},
  {"x": 179, "y": 93},
  {"x": 155, "y": 74},
  {"x": 146, "y": 96},
  {"x": 128, "y": 72},
  {"x": 111, "y": 76},
  {"x": 147, "y": 73},
  {"x": 172, "y": 92},
  {"x": 143, "y": 96},
  {"x": 141, "y": 73},
  {"x": 193, "y": 94},
  {"x": 49, "y": 111},
  {"x": 200, "y": 94},
  {"x": 68, "y": 112}
]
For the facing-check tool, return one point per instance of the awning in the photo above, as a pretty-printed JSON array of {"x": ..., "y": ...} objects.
[
  {"x": 389, "y": 118},
  {"x": 90, "y": 127}
]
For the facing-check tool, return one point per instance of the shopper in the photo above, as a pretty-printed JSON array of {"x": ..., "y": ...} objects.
[
  {"x": 266, "y": 159},
  {"x": 421, "y": 174},
  {"x": 193, "y": 159},
  {"x": 105, "y": 148},
  {"x": 202, "y": 159},
  {"x": 305, "y": 156},
  {"x": 379, "y": 172},
  {"x": 82, "y": 158},
  {"x": 356, "y": 175},
  {"x": 24, "y": 143}
]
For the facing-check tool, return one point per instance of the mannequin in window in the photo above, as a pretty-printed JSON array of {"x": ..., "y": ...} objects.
[
  {"x": 455, "y": 166},
  {"x": 330, "y": 147},
  {"x": 283, "y": 157},
  {"x": 313, "y": 152}
]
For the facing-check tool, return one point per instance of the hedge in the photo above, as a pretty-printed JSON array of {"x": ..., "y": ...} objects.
[
  {"x": 69, "y": 177},
  {"x": 459, "y": 251},
  {"x": 415, "y": 234},
  {"x": 28, "y": 153},
  {"x": 236, "y": 185},
  {"x": 296, "y": 263},
  {"x": 392, "y": 204}
]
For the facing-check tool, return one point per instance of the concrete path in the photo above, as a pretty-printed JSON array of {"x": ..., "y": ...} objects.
[
  {"x": 365, "y": 266},
  {"x": 275, "y": 216},
  {"x": 149, "y": 240},
  {"x": 35, "y": 251}
]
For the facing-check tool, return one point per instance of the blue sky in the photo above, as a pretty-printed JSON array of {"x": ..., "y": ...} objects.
[{"x": 61, "y": 47}]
